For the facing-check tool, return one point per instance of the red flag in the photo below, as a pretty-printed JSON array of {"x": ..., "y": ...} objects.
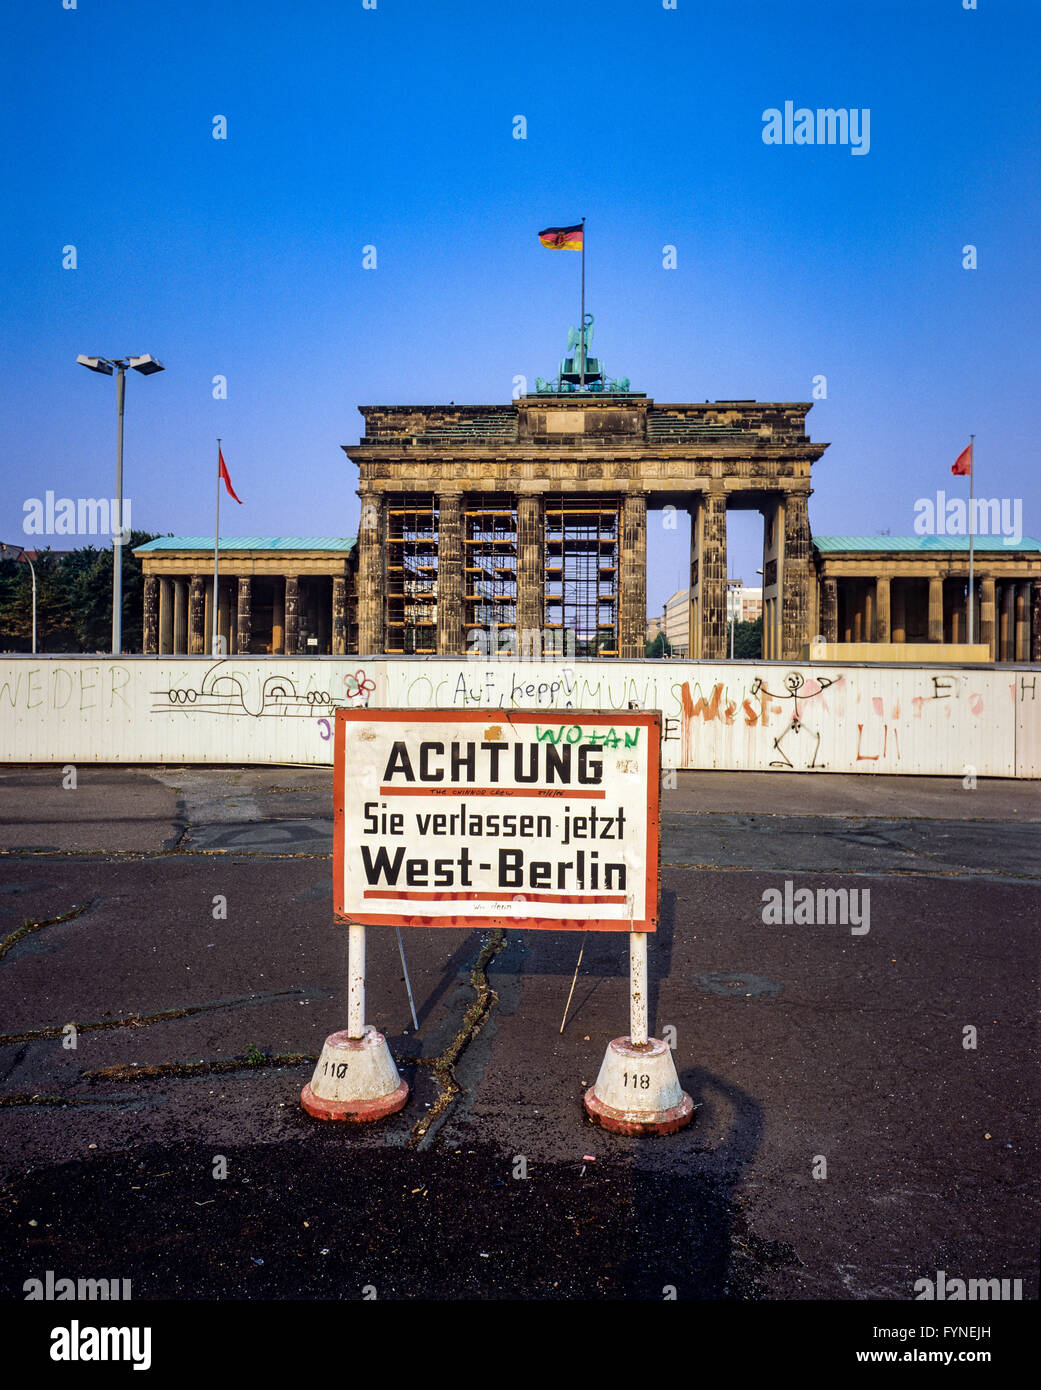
[
  {"x": 224, "y": 474},
  {"x": 962, "y": 465}
]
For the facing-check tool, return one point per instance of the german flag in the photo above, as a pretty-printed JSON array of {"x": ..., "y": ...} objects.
[{"x": 562, "y": 238}]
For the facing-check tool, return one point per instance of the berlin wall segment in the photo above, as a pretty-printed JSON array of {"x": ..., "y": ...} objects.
[{"x": 921, "y": 720}]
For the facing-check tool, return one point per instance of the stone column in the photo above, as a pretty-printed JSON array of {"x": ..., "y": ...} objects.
[
  {"x": 244, "y": 625},
  {"x": 898, "y": 600},
  {"x": 830, "y": 610},
  {"x": 1022, "y": 651},
  {"x": 196, "y": 601},
  {"x": 935, "y": 610},
  {"x": 869, "y": 613},
  {"x": 371, "y": 574},
  {"x": 207, "y": 622},
  {"x": 696, "y": 511},
  {"x": 531, "y": 573},
  {"x": 956, "y": 613},
  {"x": 278, "y": 617},
  {"x": 450, "y": 635},
  {"x": 987, "y": 632},
  {"x": 165, "y": 617},
  {"x": 773, "y": 564},
  {"x": 339, "y": 615},
  {"x": 150, "y": 634},
  {"x": 1035, "y": 622},
  {"x": 1007, "y": 624},
  {"x": 180, "y": 617},
  {"x": 224, "y": 623},
  {"x": 632, "y": 578},
  {"x": 291, "y": 607},
  {"x": 882, "y": 604},
  {"x": 713, "y": 576},
  {"x": 796, "y": 574}
]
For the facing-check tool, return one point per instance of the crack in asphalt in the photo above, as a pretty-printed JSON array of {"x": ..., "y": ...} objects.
[
  {"x": 994, "y": 875},
  {"x": 132, "y": 1071},
  {"x": 163, "y": 1016},
  {"x": 121, "y": 856},
  {"x": 29, "y": 927},
  {"x": 10, "y": 1102},
  {"x": 473, "y": 1021}
]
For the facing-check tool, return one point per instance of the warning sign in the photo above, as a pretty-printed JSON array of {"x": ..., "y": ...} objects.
[{"x": 498, "y": 818}]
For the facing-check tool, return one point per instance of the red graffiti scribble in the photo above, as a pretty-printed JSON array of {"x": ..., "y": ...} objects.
[
  {"x": 976, "y": 704},
  {"x": 708, "y": 709},
  {"x": 876, "y": 704},
  {"x": 874, "y": 757},
  {"x": 864, "y": 757}
]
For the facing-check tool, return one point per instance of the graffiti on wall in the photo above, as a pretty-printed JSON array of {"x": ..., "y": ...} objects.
[
  {"x": 732, "y": 715},
  {"x": 229, "y": 690}
]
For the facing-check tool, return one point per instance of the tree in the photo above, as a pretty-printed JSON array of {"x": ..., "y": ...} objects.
[
  {"x": 659, "y": 645},
  {"x": 748, "y": 640},
  {"x": 73, "y": 600},
  {"x": 16, "y": 605}
]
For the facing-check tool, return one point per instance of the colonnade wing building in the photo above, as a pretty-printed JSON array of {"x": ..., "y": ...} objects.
[
  {"x": 277, "y": 594},
  {"x": 913, "y": 591},
  {"x": 530, "y": 519}
]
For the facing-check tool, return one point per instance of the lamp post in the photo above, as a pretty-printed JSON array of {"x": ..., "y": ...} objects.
[
  {"x": 733, "y": 586},
  {"x": 146, "y": 365},
  {"x": 17, "y": 552}
]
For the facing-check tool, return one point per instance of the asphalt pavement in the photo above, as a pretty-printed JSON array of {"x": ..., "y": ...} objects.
[{"x": 867, "y": 1091}]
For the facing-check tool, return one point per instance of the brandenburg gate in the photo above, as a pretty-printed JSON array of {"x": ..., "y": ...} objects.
[{"x": 531, "y": 519}]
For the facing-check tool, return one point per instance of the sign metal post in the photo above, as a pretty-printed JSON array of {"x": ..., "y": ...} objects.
[{"x": 532, "y": 819}]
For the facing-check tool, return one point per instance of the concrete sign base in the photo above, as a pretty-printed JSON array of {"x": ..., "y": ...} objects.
[
  {"x": 638, "y": 1091},
  {"x": 355, "y": 1080}
]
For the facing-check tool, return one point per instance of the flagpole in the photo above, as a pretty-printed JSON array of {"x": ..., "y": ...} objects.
[
  {"x": 582, "y": 320},
  {"x": 972, "y": 470},
  {"x": 216, "y": 565}
]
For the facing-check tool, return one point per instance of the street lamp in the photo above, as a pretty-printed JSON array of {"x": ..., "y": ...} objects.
[
  {"x": 146, "y": 365},
  {"x": 734, "y": 586},
  {"x": 17, "y": 552}
]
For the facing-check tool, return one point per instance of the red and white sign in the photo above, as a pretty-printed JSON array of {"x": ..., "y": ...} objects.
[{"x": 498, "y": 818}]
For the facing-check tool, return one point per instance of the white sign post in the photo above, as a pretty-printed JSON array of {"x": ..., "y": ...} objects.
[{"x": 498, "y": 818}]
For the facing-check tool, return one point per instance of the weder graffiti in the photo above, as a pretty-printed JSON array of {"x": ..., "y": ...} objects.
[{"x": 490, "y": 817}]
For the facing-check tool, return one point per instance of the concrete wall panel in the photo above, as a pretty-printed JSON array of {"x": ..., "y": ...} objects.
[{"x": 787, "y": 717}]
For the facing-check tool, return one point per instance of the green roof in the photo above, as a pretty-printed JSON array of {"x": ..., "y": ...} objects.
[
  {"x": 833, "y": 544},
  {"x": 343, "y": 543}
]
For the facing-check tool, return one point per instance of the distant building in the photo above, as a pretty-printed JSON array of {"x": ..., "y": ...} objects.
[{"x": 743, "y": 606}]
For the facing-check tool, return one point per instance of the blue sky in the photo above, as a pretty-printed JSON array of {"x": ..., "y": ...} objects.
[{"x": 393, "y": 127}]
